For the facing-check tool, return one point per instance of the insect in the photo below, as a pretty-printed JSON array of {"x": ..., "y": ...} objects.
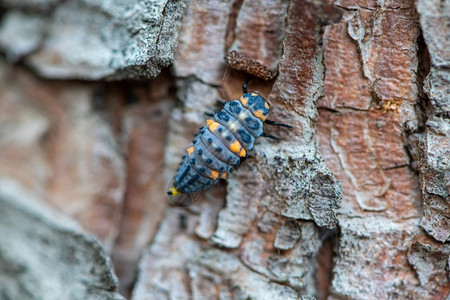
[{"x": 222, "y": 145}]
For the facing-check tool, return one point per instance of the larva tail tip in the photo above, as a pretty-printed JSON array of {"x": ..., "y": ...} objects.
[{"x": 173, "y": 191}]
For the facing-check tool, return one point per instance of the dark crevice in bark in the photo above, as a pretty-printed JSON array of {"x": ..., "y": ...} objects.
[
  {"x": 341, "y": 109},
  {"x": 231, "y": 26},
  {"x": 352, "y": 108},
  {"x": 394, "y": 167},
  {"x": 161, "y": 25},
  {"x": 329, "y": 109},
  {"x": 411, "y": 143},
  {"x": 423, "y": 69},
  {"x": 324, "y": 274},
  {"x": 413, "y": 160}
]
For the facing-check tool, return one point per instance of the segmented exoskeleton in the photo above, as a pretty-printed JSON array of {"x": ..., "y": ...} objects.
[{"x": 223, "y": 143}]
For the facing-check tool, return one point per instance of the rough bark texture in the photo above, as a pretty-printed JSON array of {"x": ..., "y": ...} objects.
[
  {"x": 92, "y": 39},
  {"x": 368, "y": 115},
  {"x": 143, "y": 208},
  {"x": 352, "y": 203},
  {"x": 58, "y": 147},
  {"x": 434, "y": 153},
  {"x": 41, "y": 252}
]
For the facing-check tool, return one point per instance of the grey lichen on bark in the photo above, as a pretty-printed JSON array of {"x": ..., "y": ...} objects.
[
  {"x": 291, "y": 184},
  {"x": 92, "y": 39},
  {"x": 434, "y": 166},
  {"x": 362, "y": 249},
  {"x": 431, "y": 266},
  {"x": 45, "y": 256},
  {"x": 36, "y": 5}
]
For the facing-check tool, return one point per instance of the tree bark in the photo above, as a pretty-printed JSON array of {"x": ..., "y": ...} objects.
[{"x": 352, "y": 203}]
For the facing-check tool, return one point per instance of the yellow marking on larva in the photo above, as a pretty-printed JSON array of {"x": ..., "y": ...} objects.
[
  {"x": 260, "y": 115},
  {"x": 209, "y": 122},
  {"x": 235, "y": 147},
  {"x": 243, "y": 100},
  {"x": 190, "y": 150},
  {"x": 213, "y": 126},
  {"x": 173, "y": 191},
  {"x": 254, "y": 94},
  {"x": 266, "y": 105},
  {"x": 214, "y": 174},
  {"x": 224, "y": 175},
  {"x": 242, "y": 153}
]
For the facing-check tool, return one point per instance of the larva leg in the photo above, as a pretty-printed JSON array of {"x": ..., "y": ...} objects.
[
  {"x": 220, "y": 103},
  {"x": 264, "y": 134},
  {"x": 244, "y": 85}
]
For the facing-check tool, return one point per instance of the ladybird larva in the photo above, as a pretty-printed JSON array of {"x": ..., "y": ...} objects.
[{"x": 223, "y": 143}]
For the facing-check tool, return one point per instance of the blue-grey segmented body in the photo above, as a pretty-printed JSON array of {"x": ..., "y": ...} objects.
[{"x": 220, "y": 146}]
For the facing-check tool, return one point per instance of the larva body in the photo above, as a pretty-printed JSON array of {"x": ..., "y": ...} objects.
[{"x": 222, "y": 144}]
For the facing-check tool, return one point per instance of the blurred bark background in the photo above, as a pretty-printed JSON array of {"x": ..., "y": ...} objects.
[{"x": 98, "y": 100}]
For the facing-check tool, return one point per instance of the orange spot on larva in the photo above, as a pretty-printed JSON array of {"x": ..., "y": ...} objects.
[
  {"x": 235, "y": 147},
  {"x": 260, "y": 115},
  {"x": 243, "y": 100},
  {"x": 213, "y": 126},
  {"x": 214, "y": 174},
  {"x": 190, "y": 150}
]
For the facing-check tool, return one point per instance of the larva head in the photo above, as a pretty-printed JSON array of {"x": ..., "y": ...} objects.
[{"x": 256, "y": 104}]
